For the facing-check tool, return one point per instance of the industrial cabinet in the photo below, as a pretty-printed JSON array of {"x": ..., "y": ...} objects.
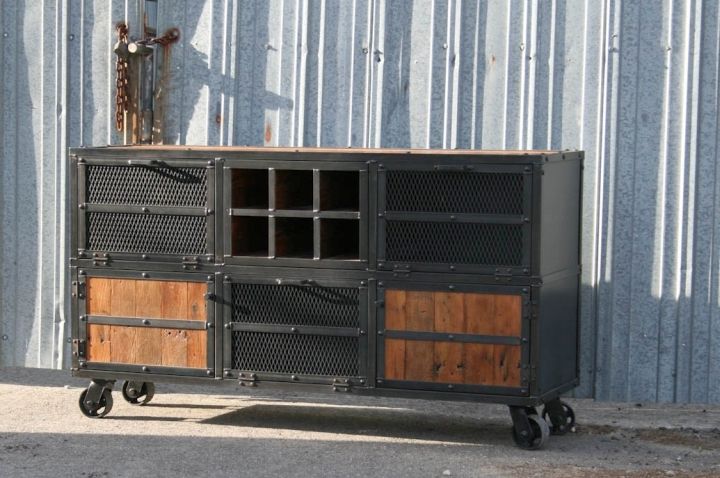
[{"x": 436, "y": 274}]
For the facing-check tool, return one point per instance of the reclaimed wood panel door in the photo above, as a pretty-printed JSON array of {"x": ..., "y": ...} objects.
[
  {"x": 152, "y": 299},
  {"x": 453, "y": 337}
]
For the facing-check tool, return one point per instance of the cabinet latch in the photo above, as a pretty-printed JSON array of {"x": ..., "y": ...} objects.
[
  {"x": 190, "y": 263},
  {"x": 401, "y": 270},
  {"x": 247, "y": 379},
  {"x": 503, "y": 275},
  {"x": 341, "y": 385},
  {"x": 100, "y": 259}
]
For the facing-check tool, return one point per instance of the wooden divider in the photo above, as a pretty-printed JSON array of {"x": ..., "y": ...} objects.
[
  {"x": 453, "y": 362},
  {"x": 146, "y": 299}
]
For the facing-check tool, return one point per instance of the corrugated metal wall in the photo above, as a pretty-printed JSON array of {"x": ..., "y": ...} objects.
[{"x": 633, "y": 83}]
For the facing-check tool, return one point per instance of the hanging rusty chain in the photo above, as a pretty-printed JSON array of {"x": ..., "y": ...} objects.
[
  {"x": 121, "y": 79},
  {"x": 123, "y": 49}
]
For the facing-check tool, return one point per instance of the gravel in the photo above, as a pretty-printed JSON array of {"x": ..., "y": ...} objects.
[{"x": 191, "y": 430}]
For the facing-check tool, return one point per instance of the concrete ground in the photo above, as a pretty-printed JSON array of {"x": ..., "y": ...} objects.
[{"x": 185, "y": 432}]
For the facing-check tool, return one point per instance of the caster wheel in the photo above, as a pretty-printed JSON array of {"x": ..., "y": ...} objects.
[
  {"x": 138, "y": 393},
  {"x": 538, "y": 437},
  {"x": 99, "y": 410},
  {"x": 560, "y": 416}
]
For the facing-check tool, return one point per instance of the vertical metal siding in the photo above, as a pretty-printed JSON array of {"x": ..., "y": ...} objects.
[{"x": 634, "y": 84}]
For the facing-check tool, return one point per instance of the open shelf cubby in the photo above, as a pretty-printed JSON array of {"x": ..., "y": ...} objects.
[
  {"x": 339, "y": 190},
  {"x": 294, "y": 237},
  {"x": 249, "y": 236},
  {"x": 293, "y": 189},
  {"x": 340, "y": 239},
  {"x": 250, "y": 188}
]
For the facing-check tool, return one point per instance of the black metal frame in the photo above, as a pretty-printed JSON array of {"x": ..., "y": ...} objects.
[
  {"x": 316, "y": 213},
  {"x": 524, "y": 340},
  {"x": 471, "y": 166},
  {"x": 103, "y": 257},
  {"x": 295, "y": 278},
  {"x": 80, "y": 320},
  {"x": 371, "y": 271}
]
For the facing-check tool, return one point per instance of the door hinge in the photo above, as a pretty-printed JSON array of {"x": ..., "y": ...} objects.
[
  {"x": 78, "y": 289},
  {"x": 247, "y": 379},
  {"x": 190, "y": 263},
  {"x": 80, "y": 348},
  {"x": 341, "y": 385}
]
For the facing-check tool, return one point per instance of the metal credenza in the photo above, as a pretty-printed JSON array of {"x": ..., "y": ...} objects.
[{"x": 421, "y": 273}]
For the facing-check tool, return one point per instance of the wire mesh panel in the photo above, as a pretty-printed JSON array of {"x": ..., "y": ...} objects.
[
  {"x": 454, "y": 243},
  {"x": 454, "y": 192},
  {"x": 328, "y": 350},
  {"x": 295, "y": 354},
  {"x": 143, "y": 185},
  {"x": 146, "y": 233},
  {"x": 299, "y": 305}
]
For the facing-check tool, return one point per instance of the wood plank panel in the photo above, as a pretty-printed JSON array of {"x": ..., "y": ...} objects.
[
  {"x": 508, "y": 317},
  {"x": 419, "y": 361},
  {"x": 174, "y": 298},
  {"x": 507, "y": 361},
  {"x": 149, "y": 340},
  {"x": 479, "y": 364},
  {"x": 395, "y": 348},
  {"x": 419, "y": 311},
  {"x": 395, "y": 359},
  {"x": 448, "y": 356},
  {"x": 453, "y": 312},
  {"x": 123, "y": 339},
  {"x": 395, "y": 309},
  {"x": 197, "y": 339},
  {"x": 98, "y": 303},
  {"x": 419, "y": 355},
  {"x": 479, "y": 314},
  {"x": 449, "y": 312}
]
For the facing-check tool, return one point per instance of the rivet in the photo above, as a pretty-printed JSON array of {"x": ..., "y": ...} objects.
[
  {"x": 71, "y": 37},
  {"x": 228, "y": 326},
  {"x": 227, "y": 373},
  {"x": 451, "y": 287},
  {"x": 5, "y": 35},
  {"x": 209, "y": 372},
  {"x": 294, "y": 377},
  {"x": 5, "y": 337},
  {"x": 145, "y": 369},
  {"x": 146, "y": 322},
  {"x": 144, "y": 256},
  {"x": 145, "y": 274}
]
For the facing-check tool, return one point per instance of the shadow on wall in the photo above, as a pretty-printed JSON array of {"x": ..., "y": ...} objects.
[{"x": 244, "y": 85}]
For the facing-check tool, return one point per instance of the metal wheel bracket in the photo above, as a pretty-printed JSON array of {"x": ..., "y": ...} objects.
[
  {"x": 95, "y": 391},
  {"x": 520, "y": 420}
]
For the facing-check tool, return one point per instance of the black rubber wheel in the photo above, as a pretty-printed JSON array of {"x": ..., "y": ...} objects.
[
  {"x": 540, "y": 434},
  {"x": 560, "y": 424},
  {"x": 138, "y": 397},
  {"x": 102, "y": 408}
]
